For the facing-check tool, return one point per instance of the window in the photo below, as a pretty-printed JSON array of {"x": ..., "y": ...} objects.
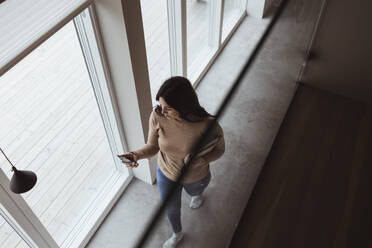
[
  {"x": 193, "y": 29},
  {"x": 155, "y": 24},
  {"x": 58, "y": 120},
  {"x": 200, "y": 48},
  {"x": 233, "y": 11}
]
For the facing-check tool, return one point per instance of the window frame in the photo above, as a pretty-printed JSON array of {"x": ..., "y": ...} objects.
[{"x": 91, "y": 46}]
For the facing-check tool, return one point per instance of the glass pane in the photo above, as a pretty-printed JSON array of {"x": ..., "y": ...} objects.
[
  {"x": 199, "y": 49},
  {"x": 232, "y": 12},
  {"x": 9, "y": 238},
  {"x": 50, "y": 124},
  {"x": 155, "y": 24}
]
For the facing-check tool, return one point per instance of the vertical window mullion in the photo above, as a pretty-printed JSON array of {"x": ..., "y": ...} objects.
[
  {"x": 11, "y": 222},
  {"x": 177, "y": 31},
  {"x": 215, "y": 23},
  {"x": 88, "y": 41},
  {"x": 243, "y": 5}
]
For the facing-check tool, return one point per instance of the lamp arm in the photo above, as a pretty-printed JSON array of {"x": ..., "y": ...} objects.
[{"x": 13, "y": 167}]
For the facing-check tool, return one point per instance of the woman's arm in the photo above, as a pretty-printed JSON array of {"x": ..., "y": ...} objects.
[
  {"x": 216, "y": 153},
  {"x": 152, "y": 145},
  {"x": 218, "y": 150}
]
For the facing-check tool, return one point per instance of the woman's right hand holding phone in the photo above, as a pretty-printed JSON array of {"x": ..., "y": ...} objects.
[{"x": 131, "y": 159}]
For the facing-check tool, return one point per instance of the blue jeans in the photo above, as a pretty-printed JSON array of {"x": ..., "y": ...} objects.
[{"x": 173, "y": 208}]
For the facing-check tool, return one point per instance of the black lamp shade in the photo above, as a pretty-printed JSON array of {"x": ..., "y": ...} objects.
[{"x": 22, "y": 181}]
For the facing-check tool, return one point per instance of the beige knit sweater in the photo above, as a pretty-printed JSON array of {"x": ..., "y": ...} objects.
[{"x": 174, "y": 139}]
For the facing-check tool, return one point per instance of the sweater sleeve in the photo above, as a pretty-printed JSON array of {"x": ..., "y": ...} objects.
[
  {"x": 152, "y": 145},
  {"x": 219, "y": 149}
]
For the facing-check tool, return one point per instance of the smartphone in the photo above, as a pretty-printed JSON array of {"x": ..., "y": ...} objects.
[{"x": 124, "y": 159}]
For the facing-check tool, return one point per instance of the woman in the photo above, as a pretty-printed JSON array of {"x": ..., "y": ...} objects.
[{"x": 175, "y": 125}]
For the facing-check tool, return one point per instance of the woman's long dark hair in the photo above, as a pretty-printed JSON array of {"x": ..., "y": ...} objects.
[{"x": 180, "y": 95}]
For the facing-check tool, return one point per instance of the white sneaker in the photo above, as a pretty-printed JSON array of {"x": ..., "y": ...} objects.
[
  {"x": 173, "y": 241},
  {"x": 196, "y": 201}
]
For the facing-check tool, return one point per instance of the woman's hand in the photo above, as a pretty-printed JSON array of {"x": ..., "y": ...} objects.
[
  {"x": 131, "y": 156},
  {"x": 186, "y": 160}
]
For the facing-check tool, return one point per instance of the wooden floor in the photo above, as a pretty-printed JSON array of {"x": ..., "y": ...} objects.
[
  {"x": 315, "y": 189},
  {"x": 50, "y": 124}
]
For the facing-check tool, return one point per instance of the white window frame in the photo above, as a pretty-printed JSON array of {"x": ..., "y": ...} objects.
[
  {"x": 216, "y": 23},
  {"x": 177, "y": 37},
  {"x": 13, "y": 224},
  {"x": 90, "y": 42}
]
